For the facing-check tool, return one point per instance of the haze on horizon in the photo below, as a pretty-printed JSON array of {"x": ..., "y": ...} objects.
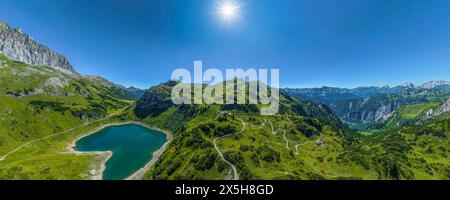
[{"x": 316, "y": 43}]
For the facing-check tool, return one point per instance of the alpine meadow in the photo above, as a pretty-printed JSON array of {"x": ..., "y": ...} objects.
[{"x": 343, "y": 112}]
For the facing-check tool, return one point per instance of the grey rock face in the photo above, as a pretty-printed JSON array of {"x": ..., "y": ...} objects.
[
  {"x": 20, "y": 47},
  {"x": 445, "y": 107},
  {"x": 433, "y": 84},
  {"x": 369, "y": 111},
  {"x": 385, "y": 111}
]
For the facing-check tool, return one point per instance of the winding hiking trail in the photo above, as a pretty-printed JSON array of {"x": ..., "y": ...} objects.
[
  {"x": 235, "y": 173},
  {"x": 244, "y": 125},
  {"x": 284, "y": 134},
  {"x": 233, "y": 167},
  {"x": 300, "y": 145},
  {"x": 53, "y": 135},
  {"x": 261, "y": 126},
  {"x": 274, "y": 132}
]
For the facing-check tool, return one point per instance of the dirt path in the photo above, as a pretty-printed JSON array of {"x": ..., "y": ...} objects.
[
  {"x": 53, "y": 135},
  {"x": 300, "y": 145},
  {"x": 235, "y": 173},
  {"x": 274, "y": 132},
  {"x": 284, "y": 134}
]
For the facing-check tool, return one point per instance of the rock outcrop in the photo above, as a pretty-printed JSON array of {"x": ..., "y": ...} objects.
[
  {"x": 21, "y": 47},
  {"x": 379, "y": 113},
  {"x": 434, "y": 84},
  {"x": 445, "y": 108}
]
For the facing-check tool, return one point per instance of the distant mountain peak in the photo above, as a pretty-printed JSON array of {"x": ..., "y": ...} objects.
[
  {"x": 170, "y": 83},
  {"x": 137, "y": 93},
  {"x": 407, "y": 85},
  {"x": 133, "y": 88},
  {"x": 103, "y": 81},
  {"x": 21, "y": 47},
  {"x": 4, "y": 25},
  {"x": 433, "y": 84}
]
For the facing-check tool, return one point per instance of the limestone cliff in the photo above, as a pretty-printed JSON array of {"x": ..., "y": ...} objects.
[{"x": 21, "y": 47}]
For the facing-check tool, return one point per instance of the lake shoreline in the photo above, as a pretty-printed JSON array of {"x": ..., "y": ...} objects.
[
  {"x": 156, "y": 155},
  {"x": 136, "y": 175}
]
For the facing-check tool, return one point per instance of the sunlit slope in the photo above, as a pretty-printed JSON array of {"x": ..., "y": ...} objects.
[
  {"x": 414, "y": 114},
  {"x": 41, "y": 109},
  {"x": 303, "y": 141}
]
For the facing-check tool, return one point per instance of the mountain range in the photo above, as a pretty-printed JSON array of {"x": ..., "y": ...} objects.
[
  {"x": 365, "y": 106},
  {"x": 304, "y": 141},
  {"x": 367, "y": 133}
]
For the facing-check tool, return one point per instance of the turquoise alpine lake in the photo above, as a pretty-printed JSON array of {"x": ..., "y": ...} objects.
[{"x": 132, "y": 147}]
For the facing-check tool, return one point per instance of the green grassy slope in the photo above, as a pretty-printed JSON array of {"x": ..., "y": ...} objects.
[
  {"x": 419, "y": 145},
  {"x": 40, "y": 102},
  {"x": 410, "y": 114},
  {"x": 42, "y": 110},
  {"x": 306, "y": 142},
  {"x": 428, "y": 145},
  {"x": 413, "y": 114},
  {"x": 288, "y": 151}
]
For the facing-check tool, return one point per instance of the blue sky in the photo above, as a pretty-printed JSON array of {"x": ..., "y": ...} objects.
[{"x": 343, "y": 43}]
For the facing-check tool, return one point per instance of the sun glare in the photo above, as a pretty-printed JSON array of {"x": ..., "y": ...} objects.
[{"x": 228, "y": 10}]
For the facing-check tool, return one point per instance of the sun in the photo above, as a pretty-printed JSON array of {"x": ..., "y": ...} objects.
[{"x": 228, "y": 10}]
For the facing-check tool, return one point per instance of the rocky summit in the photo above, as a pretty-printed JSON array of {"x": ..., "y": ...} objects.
[
  {"x": 21, "y": 47},
  {"x": 434, "y": 84}
]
